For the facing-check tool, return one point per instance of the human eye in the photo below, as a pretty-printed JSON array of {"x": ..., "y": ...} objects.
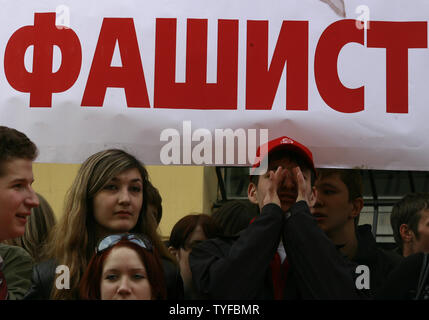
[
  {"x": 136, "y": 189},
  {"x": 18, "y": 186},
  {"x": 111, "y": 277},
  {"x": 138, "y": 276},
  {"x": 329, "y": 192},
  {"x": 110, "y": 186}
]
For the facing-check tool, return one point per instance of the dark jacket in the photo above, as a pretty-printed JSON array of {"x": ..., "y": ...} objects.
[
  {"x": 17, "y": 266},
  {"x": 239, "y": 267},
  {"x": 402, "y": 283},
  {"x": 44, "y": 278},
  {"x": 379, "y": 261}
]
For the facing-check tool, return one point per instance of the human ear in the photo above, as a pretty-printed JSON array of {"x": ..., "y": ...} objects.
[
  {"x": 174, "y": 252},
  {"x": 252, "y": 193},
  {"x": 406, "y": 233},
  {"x": 357, "y": 207}
]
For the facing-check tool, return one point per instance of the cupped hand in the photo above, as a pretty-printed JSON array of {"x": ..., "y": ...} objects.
[
  {"x": 275, "y": 181},
  {"x": 304, "y": 192}
]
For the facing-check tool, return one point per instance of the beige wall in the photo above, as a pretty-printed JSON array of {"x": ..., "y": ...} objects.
[
  {"x": 184, "y": 189},
  {"x": 52, "y": 181}
]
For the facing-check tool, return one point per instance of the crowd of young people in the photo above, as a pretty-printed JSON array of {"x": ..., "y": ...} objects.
[{"x": 296, "y": 238}]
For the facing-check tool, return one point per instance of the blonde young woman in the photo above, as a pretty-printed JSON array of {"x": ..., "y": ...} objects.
[{"x": 108, "y": 196}]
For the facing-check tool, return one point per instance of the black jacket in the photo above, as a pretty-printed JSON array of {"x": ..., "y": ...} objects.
[
  {"x": 44, "y": 278},
  {"x": 402, "y": 283},
  {"x": 239, "y": 267},
  {"x": 380, "y": 262}
]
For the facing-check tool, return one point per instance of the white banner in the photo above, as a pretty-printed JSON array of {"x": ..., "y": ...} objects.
[{"x": 164, "y": 80}]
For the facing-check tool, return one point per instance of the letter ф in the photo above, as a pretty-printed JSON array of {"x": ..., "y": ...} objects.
[{"x": 41, "y": 82}]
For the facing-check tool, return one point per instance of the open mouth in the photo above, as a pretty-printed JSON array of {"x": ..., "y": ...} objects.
[
  {"x": 287, "y": 198},
  {"x": 22, "y": 216}
]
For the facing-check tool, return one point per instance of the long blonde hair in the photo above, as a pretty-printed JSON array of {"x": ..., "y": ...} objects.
[{"x": 73, "y": 240}]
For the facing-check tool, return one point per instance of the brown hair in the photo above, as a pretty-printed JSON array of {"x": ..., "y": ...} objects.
[
  {"x": 15, "y": 145},
  {"x": 185, "y": 226},
  {"x": 154, "y": 199},
  {"x": 89, "y": 288},
  {"x": 408, "y": 211},
  {"x": 352, "y": 178},
  {"x": 73, "y": 239}
]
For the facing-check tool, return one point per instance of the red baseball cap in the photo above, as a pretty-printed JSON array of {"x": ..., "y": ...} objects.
[{"x": 284, "y": 143}]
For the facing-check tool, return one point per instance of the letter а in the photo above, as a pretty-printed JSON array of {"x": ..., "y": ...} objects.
[
  {"x": 63, "y": 280},
  {"x": 362, "y": 281}
]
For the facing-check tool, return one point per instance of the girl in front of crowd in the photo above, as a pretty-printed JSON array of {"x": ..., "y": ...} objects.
[
  {"x": 108, "y": 196},
  {"x": 124, "y": 267}
]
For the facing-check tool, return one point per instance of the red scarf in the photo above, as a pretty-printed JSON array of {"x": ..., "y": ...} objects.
[{"x": 279, "y": 274}]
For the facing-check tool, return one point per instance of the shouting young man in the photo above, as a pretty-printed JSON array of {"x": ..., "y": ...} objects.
[{"x": 283, "y": 254}]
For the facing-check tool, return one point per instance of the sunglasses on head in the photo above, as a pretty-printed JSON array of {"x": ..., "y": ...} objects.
[{"x": 113, "y": 239}]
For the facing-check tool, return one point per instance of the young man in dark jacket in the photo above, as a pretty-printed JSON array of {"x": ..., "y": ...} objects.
[
  {"x": 283, "y": 254},
  {"x": 337, "y": 209}
]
